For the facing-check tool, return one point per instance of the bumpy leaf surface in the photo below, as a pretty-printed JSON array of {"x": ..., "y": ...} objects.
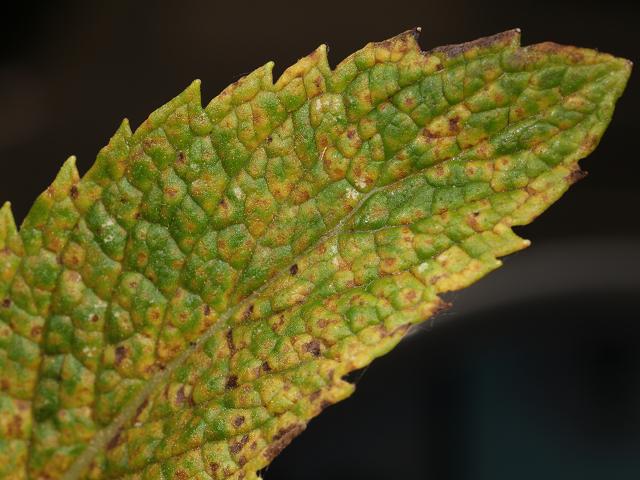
[{"x": 185, "y": 308}]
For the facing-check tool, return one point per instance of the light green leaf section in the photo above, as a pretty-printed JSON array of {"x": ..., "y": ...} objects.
[{"x": 184, "y": 309}]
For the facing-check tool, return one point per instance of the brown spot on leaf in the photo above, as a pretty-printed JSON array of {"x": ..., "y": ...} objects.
[
  {"x": 181, "y": 475},
  {"x": 232, "y": 382},
  {"x": 266, "y": 367},
  {"x": 454, "y": 124},
  {"x": 390, "y": 262},
  {"x": 235, "y": 447},
  {"x": 14, "y": 426},
  {"x": 207, "y": 310},
  {"x": 230, "y": 344},
  {"x": 411, "y": 296},
  {"x": 171, "y": 191},
  {"x": 180, "y": 396},
  {"x": 121, "y": 354},
  {"x": 257, "y": 115},
  {"x": 472, "y": 220},
  {"x": 140, "y": 409},
  {"x": 238, "y": 421},
  {"x": 115, "y": 440},
  {"x": 73, "y": 191},
  {"x": 6, "y": 303},
  {"x": 181, "y": 157},
  {"x": 293, "y": 269},
  {"x": 313, "y": 347}
]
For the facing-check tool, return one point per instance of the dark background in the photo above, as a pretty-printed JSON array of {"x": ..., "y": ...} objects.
[{"x": 535, "y": 372}]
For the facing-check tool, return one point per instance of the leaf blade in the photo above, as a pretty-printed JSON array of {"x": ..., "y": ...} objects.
[{"x": 292, "y": 232}]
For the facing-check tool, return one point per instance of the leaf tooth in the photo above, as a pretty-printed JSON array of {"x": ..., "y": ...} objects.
[
  {"x": 188, "y": 96},
  {"x": 62, "y": 188},
  {"x": 111, "y": 161},
  {"x": 9, "y": 238},
  {"x": 7, "y": 224},
  {"x": 66, "y": 178},
  {"x": 316, "y": 59},
  {"x": 240, "y": 91},
  {"x": 397, "y": 46}
]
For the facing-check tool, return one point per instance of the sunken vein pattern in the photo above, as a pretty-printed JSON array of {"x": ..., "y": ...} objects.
[{"x": 195, "y": 299}]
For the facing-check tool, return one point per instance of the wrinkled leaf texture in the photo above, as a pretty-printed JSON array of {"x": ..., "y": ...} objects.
[{"x": 188, "y": 305}]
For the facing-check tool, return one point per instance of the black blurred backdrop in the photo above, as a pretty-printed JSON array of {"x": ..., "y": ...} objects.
[{"x": 535, "y": 372}]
